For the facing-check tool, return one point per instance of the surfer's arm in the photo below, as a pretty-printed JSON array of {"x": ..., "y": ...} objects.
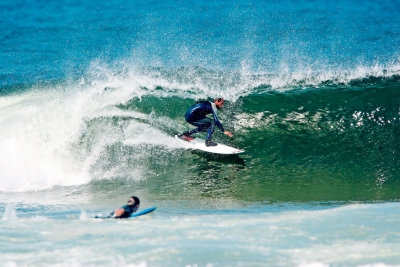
[
  {"x": 118, "y": 212},
  {"x": 216, "y": 121},
  {"x": 219, "y": 125},
  {"x": 228, "y": 133}
]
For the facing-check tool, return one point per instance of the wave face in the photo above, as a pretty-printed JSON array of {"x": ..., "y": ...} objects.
[
  {"x": 92, "y": 94},
  {"x": 306, "y": 140}
]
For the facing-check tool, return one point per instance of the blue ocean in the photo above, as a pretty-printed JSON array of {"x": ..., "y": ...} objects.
[{"x": 93, "y": 92}]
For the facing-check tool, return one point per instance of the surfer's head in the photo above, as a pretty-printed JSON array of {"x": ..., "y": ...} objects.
[
  {"x": 219, "y": 102},
  {"x": 133, "y": 201}
]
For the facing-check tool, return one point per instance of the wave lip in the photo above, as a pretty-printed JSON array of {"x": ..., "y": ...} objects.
[{"x": 202, "y": 83}]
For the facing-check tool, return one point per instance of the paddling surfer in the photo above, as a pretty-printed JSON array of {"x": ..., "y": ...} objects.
[
  {"x": 126, "y": 210},
  {"x": 196, "y": 115}
]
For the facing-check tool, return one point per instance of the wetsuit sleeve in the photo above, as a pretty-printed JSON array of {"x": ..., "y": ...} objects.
[
  {"x": 128, "y": 210},
  {"x": 127, "y": 213},
  {"x": 219, "y": 125}
]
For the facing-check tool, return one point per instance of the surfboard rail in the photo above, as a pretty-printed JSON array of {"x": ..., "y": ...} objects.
[
  {"x": 142, "y": 212},
  {"x": 199, "y": 143}
]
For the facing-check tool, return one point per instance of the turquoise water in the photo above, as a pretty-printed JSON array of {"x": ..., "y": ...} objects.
[
  {"x": 354, "y": 235},
  {"x": 91, "y": 95}
]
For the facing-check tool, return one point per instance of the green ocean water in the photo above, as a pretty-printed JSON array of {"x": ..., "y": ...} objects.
[{"x": 328, "y": 143}]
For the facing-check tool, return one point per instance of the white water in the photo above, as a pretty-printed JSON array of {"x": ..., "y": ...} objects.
[
  {"x": 45, "y": 139},
  {"x": 354, "y": 235}
]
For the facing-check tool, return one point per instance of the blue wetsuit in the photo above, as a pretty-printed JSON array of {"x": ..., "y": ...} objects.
[{"x": 196, "y": 115}]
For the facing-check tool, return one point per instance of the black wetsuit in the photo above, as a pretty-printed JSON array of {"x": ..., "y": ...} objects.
[
  {"x": 196, "y": 115},
  {"x": 128, "y": 212}
]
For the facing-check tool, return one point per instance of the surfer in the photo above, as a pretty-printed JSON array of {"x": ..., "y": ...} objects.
[
  {"x": 126, "y": 210},
  {"x": 196, "y": 115}
]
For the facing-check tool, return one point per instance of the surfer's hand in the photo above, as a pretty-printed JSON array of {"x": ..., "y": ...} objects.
[{"x": 228, "y": 133}]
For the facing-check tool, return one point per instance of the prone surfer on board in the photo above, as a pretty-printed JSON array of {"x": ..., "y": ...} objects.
[
  {"x": 126, "y": 210},
  {"x": 196, "y": 115}
]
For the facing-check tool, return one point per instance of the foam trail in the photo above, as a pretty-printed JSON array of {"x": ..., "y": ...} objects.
[
  {"x": 141, "y": 133},
  {"x": 83, "y": 216},
  {"x": 10, "y": 213}
]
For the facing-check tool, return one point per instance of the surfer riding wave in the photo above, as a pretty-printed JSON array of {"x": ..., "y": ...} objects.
[{"x": 196, "y": 115}]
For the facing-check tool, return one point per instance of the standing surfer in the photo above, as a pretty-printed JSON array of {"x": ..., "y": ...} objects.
[{"x": 196, "y": 115}]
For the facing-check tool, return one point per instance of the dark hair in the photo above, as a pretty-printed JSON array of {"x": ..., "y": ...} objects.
[
  {"x": 219, "y": 99},
  {"x": 137, "y": 201}
]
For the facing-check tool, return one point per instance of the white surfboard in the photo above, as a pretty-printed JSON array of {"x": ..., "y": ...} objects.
[{"x": 198, "y": 143}]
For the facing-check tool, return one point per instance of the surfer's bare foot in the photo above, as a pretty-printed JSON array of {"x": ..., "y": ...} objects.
[{"x": 185, "y": 137}]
